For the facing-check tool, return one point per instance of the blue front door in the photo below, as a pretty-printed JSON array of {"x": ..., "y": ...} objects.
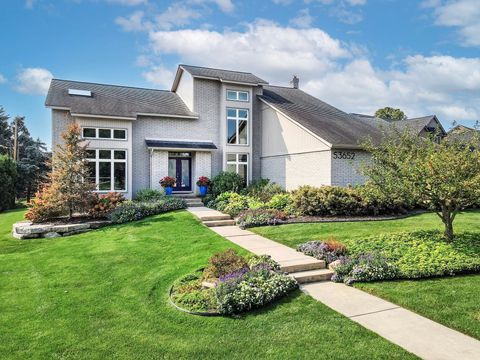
[{"x": 180, "y": 169}]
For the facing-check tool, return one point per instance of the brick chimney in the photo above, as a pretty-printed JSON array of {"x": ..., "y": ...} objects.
[{"x": 295, "y": 81}]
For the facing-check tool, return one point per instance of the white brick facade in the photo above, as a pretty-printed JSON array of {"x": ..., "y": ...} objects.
[{"x": 346, "y": 171}]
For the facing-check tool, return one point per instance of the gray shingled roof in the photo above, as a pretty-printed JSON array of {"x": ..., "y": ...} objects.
[
  {"x": 157, "y": 143},
  {"x": 223, "y": 75},
  {"x": 329, "y": 123},
  {"x": 462, "y": 133},
  {"x": 113, "y": 100}
]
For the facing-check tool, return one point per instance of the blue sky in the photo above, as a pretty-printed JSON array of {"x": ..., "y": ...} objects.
[{"x": 358, "y": 55}]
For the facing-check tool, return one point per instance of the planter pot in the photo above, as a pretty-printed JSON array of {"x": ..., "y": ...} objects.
[
  {"x": 203, "y": 190},
  {"x": 168, "y": 190}
]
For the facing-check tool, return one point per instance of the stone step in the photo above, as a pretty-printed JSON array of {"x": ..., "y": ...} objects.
[
  {"x": 297, "y": 265},
  {"x": 185, "y": 195},
  {"x": 310, "y": 276},
  {"x": 214, "y": 217},
  {"x": 219, "y": 223}
]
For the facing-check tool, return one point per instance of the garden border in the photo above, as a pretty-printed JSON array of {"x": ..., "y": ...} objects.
[{"x": 198, "y": 313}]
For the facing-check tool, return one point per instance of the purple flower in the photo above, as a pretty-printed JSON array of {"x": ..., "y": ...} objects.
[{"x": 234, "y": 276}]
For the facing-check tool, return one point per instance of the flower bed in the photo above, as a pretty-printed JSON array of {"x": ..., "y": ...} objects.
[
  {"x": 401, "y": 256},
  {"x": 231, "y": 284}
]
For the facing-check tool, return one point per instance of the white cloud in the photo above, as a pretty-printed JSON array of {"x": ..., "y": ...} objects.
[
  {"x": 176, "y": 15},
  {"x": 460, "y": 14},
  {"x": 159, "y": 75},
  {"x": 303, "y": 19},
  {"x": 33, "y": 81},
  {"x": 335, "y": 72},
  {"x": 3, "y": 79},
  {"x": 224, "y": 5},
  {"x": 282, "y": 2},
  {"x": 128, "y": 2},
  {"x": 30, "y": 3},
  {"x": 134, "y": 22},
  {"x": 356, "y": 2}
]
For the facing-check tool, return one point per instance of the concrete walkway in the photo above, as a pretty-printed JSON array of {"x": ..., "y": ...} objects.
[{"x": 416, "y": 334}]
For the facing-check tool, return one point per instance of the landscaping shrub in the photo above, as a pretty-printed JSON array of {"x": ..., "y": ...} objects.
[
  {"x": 146, "y": 195},
  {"x": 253, "y": 289},
  {"x": 376, "y": 202},
  {"x": 323, "y": 250},
  {"x": 231, "y": 203},
  {"x": 8, "y": 178},
  {"x": 263, "y": 190},
  {"x": 131, "y": 211},
  {"x": 189, "y": 294},
  {"x": 224, "y": 263},
  {"x": 260, "y": 217},
  {"x": 226, "y": 181},
  {"x": 103, "y": 205},
  {"x": 46, "y": 205},
  {"x": 365, "y": 267},
  {"x": 263, "y": 261},
  {"x": 281, "y": 202}
]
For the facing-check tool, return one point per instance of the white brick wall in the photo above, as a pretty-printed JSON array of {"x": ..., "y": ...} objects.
[
  {"x": 347, "y": 172},
  {"x": 294, "y": 170},
  {"x": 202, "y": 166},
  {"x": 159, "y": 161}
]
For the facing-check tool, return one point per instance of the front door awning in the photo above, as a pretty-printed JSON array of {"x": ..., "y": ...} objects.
[{"x": 180, "y": 144}]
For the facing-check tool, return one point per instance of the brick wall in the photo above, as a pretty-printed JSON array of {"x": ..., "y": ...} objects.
[{"x": 347, "y": 172}]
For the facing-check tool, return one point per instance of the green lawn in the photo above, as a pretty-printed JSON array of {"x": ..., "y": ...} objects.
[
  {"x": 103, "y": 294},
  {"x": 452, "y": 301}
]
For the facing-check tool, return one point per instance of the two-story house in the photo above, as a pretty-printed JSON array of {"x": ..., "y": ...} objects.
[{"x": 212, "y": 120}]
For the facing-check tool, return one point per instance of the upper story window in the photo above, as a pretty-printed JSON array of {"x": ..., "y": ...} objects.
[
  {"x": 236, "y": 95},
  {"x": 238, "y": 163},
  {"x": 104, "y": 133},
  {"x": 237, "y": 126}
]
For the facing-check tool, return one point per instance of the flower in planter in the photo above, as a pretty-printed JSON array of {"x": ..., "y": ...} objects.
[
  {"x": 203, "y": 181},
  {"x": 167, "y": 181}
]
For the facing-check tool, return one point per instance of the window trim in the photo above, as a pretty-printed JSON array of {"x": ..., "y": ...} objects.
[
  {"x": 238, "y": 95},
  {"x": 112, "y": 161},
  {"x": 237, "y": 120},
  {"x": 237, "y": 162},
  {"x": 97, "y": 130}
]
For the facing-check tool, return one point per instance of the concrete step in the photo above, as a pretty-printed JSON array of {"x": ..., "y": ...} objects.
[
  {"x": 219, "y": 223},
  {"x": 214, "y": 217},
  {"x": 193, "y": 201},
  {"x": 185, "y": 195},
  {"x": 297, "y": 265},
  {"x": 195, "y": 205},
  {"x": 310, "y": 276}
]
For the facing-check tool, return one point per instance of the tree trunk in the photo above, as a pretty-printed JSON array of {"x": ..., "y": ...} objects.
[
  {"x": 447, "y": 216},
  {"x": 70, "y": 210}
]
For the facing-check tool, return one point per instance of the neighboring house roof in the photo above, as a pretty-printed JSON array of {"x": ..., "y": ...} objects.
[
  {"x": 115, "y": 101},
  {"x": 327, "y": 122},
  {"x": 177, "y": 144},
  {"x": 419, "y": 124},
  {"x": 217, "y": 74},
  {"x": 462, "y": 133}
]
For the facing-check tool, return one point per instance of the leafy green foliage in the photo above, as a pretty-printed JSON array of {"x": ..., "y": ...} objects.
[
  {"x": 283, "y": 202},
  {"x": 391, "y": 114},
  {"x": 231, "y": 203},
  {"x": 261, "y": 217},
  {"x": 145, "y": 195},
  {"x": 132, "y": 210},
  {"x": 8, "y": 177},
  {"x": 263, "y": 190},
  {"x": 226, "y": 181},
  {"x": 189, "y": 294},
  {"x": 224, "y": 263},
  {"x": 443, "y": 177}
]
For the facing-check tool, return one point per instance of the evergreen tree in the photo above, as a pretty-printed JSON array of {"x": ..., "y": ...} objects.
[{"x": 5, "y": 133}]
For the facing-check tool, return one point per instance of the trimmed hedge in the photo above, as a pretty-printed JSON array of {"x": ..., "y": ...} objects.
[
  {"x": 132, "y": 211},
  {"x": 8, "y": 178}
]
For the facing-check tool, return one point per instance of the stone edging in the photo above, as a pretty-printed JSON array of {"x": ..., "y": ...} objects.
[
  {"x": 199, "y": 313},
  {"x": 28, "y": 230}
]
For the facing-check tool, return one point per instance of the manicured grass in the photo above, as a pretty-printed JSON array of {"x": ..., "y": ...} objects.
[
  {"x": 450, "y": 301},
  {"x": 103, "y": 294},
  {"x": 295, "y": 234}
]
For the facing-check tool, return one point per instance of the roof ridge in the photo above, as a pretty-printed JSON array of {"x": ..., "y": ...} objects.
[
  {"x": 211, "y": 68},
  {"x": 283, "y": 87},
  {"x": 113, "y": 85}
]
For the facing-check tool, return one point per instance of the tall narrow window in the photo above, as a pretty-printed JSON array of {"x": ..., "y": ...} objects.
[
  {"x": 237, "y": 126},
  {"x": 238, "y": 163},
  {"x": 108, "y": 169}
]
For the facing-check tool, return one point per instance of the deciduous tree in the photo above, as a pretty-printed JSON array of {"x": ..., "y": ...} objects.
[{"x": 390, "y": 114}]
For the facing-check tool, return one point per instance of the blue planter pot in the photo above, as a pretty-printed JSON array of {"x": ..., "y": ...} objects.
[
  {"x": 203, "y": 190},
  {"x": 168, "y": 190}
]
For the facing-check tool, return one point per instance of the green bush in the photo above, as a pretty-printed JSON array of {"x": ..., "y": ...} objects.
[
  {"x": 261, "y": 217},
  {"x": 189, "y": 294},
  {"x": 283, "y": 202},
  {"x": 263, "y": 190},
  {"x": 226, "y": 181},
  {"x": 8, "y": 178},
  {"x": 423, "y": 254},
  {"x": 342, "y": 201},
  {"x": 132, "y": 211},
  {"x": 146, "y": 195},
  {"x": 231, "y": 203}
]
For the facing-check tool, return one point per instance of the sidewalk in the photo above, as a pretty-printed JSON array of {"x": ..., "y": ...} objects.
[{"x": 416, "y": 334}]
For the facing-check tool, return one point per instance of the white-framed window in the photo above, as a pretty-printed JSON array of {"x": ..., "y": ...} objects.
[
  {"x": 108, "y": 169},
  {"x": 236, "y": 95},
  {"x": 104, "y": 133},
  {"x": 238, "y": 163},
  {"x": 237, "y": 126}
]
